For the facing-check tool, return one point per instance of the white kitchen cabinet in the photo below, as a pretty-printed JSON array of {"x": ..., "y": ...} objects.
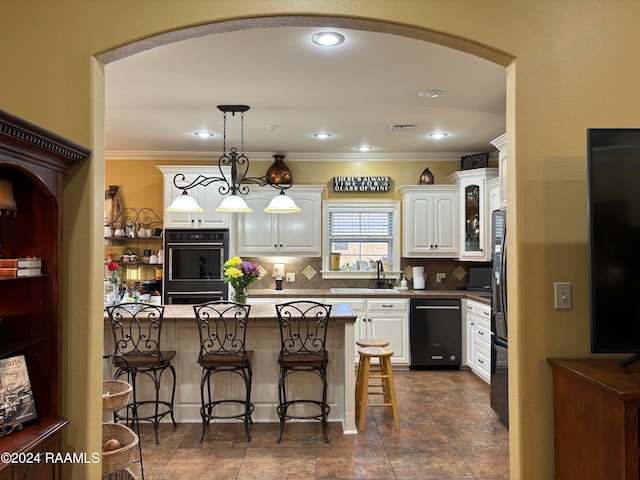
[
  {"x": 386, "y": 318},
  {"x": 493, "y": 194},
  {"x": 474, "y": 213},
  {"x": 430, "y": 221},
  {"x": 389, "y": 318},
  {"x": 469, "y": 332},
  {"x": 501, "y": 144},
  {"x": 479, "y": 339},
  {"x": 264, "y": 234},
  {"x": 208, "y": 197}
]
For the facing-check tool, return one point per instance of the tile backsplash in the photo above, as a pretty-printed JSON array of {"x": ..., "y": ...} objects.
[{"x": 308, "y": 274}]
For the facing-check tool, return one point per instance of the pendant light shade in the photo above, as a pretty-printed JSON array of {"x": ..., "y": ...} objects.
[
  {"x": 282, "y": 203},
  {"x": 184, "y": 203},
  {"x": 233, "y": 203}
]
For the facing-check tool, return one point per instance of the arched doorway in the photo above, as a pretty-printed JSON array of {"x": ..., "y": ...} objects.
[{"x": 239, "y": 25}]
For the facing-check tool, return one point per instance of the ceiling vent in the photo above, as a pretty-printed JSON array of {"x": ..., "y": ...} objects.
[{"x": 401, "y": 127}]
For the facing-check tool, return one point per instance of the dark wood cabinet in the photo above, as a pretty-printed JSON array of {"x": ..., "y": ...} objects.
[
  {"x": 34, "y": 160},
  {"x": 596, "y": 413}
]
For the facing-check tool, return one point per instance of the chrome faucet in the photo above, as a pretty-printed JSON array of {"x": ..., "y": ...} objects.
[{"x": 379, "y": 269}]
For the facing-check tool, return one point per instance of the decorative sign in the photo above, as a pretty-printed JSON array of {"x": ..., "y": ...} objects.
[{"x": 361, "y": 184}]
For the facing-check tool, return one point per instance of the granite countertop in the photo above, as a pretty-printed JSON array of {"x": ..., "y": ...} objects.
[
  {"x": 287, "y": 293},
  {"x": 341, "y": 313}
]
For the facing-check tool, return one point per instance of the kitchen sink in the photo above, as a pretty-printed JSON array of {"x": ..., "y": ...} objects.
[{"x": 362, "y": 291}]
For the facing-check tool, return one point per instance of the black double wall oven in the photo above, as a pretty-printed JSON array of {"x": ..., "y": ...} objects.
[{"x": 194, "y": 266}]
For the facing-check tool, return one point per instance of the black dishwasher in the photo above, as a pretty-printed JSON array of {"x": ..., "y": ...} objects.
[{"x": 436, "y": 334}]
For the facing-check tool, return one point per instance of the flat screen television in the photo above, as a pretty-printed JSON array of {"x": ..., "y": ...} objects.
[{"x": 613, "y": 176}]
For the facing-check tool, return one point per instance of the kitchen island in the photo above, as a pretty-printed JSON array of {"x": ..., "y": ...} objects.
[{"x": 179, "y": 332}]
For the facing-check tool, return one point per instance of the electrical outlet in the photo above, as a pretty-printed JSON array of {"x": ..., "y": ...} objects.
[
  {"x": 291, "y": 277},
  {"x": 563, "y": 295},
  {"x": 440, "y": 277}
]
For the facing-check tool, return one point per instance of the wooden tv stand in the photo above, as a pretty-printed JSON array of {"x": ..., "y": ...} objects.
[{"x": 596, "y": 414}]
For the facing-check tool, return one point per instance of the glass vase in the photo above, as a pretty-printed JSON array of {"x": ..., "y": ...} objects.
[{"x": 240, "y": 295}]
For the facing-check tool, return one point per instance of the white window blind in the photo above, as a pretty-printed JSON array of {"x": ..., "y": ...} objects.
[
  {"x": 345, "y": 225},
  {"x": 362, "y": 232}
]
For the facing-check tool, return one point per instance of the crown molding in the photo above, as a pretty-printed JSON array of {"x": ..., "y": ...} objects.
[{"x": 298, "y": 157}]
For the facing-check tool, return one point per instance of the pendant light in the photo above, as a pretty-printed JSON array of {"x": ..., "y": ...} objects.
[{"x": 278, "y": 176}]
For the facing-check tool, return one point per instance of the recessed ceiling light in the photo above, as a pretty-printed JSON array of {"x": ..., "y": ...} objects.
[
  {"x": 328, "y": 39},
  {"x": 203, "y": 134},
  {"x": 438, "y": 135},
  {"x": 364, "y": 148},
  {"x": 322, "y": 135},
  {"x": 431, "y": 93}
]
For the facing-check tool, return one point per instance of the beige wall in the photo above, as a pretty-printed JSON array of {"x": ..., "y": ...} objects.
[{"x": 576, "y": 66}]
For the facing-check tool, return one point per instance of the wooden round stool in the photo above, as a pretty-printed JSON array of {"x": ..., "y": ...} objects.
[
  {"x": 372, "y": 342},
  {"x": 386, "y": 386}
]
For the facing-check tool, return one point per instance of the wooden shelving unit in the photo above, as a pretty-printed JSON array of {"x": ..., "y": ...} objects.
[
  {"x": 596, "y": 406},
  {"x": 34, "y": 160}
]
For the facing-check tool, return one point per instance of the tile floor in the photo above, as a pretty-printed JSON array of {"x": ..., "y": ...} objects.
[{"x": 448, "y": 431}]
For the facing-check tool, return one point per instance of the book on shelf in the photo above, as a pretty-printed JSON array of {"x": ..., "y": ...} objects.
[
  {"x": 20, "y": 262},
  {"x": 16, "y": 397},
  {"x": 7, "y": 272}
]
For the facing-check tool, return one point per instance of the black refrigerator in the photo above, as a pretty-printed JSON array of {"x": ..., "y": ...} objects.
[{"x": 499, "y": 318}]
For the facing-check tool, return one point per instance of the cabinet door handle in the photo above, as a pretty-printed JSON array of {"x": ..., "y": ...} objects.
[
  {"x": 387, "y": 306},
  {"x": 480, "y": 360}
]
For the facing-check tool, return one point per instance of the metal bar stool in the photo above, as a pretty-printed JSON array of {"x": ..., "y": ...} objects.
[
  {"x": 385, "y": 374},
  {"x": 136, "y": 329},
  {"x": 222, "y": 327},
  {"x": 303, "y": 335}
]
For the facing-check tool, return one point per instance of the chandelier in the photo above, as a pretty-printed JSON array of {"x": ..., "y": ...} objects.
[{"x": 234, "y": 185}]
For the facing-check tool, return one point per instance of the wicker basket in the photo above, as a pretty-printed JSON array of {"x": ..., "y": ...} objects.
[
  {"x": 118, "y": 459},
  {"x": 120, "y": 475},
  {"x": 115, "y": 395}
]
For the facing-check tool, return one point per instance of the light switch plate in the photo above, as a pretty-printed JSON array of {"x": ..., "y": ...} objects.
[
  {"x": 291, "y": 277},
  {"x": 562, "y": 295}
]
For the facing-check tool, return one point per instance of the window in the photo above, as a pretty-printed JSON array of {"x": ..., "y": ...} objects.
[{"x": 358, "y": 234}]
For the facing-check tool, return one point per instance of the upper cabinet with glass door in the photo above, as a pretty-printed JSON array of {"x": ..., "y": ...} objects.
[{"x": 475, "y": 217}]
